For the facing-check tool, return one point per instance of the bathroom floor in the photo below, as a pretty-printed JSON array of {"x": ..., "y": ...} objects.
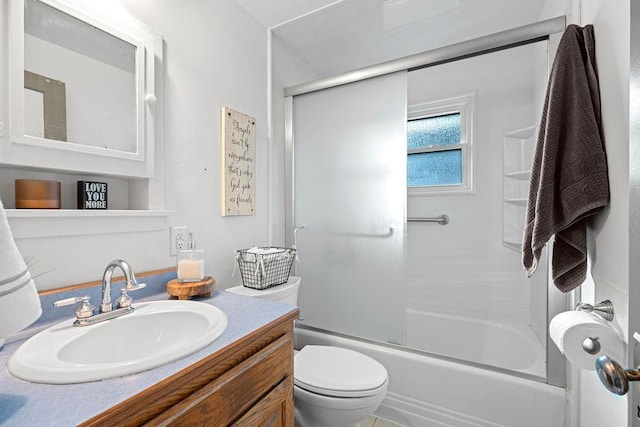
[{"x": 377, "y": 422}]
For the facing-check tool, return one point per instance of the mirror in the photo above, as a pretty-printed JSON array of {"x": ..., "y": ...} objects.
[
  {"x": 82, "y": 88},
  {"x": 45, "y": 107},
  {"x": 86, "y": 78},
  {"x": 96, "y": 72}
]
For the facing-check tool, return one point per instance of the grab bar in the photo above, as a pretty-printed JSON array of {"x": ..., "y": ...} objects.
[{"x": 442, "y": 219}]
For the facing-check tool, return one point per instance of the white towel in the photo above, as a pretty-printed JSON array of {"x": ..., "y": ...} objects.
[
  {"x": 19, "y": 301},
  {"x": 264, "y": 251}
]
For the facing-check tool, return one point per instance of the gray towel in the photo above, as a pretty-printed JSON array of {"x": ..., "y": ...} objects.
[{"x": 569, "y": 179}]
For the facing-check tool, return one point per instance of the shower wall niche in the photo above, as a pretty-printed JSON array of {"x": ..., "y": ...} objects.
[{"x": 519, "y": 146}]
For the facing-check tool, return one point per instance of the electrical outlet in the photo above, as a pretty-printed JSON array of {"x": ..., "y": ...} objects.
[{"x": 178, "y": 237}]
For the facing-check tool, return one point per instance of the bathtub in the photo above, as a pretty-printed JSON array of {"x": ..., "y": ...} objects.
[
  {"x": 429, "y": 391},
  {"x": 510, "y": 346}
]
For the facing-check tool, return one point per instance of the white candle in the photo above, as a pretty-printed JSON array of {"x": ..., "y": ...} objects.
[{"x": 190, "y": 270}]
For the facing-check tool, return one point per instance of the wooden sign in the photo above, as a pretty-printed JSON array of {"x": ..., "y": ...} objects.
[
  {"x": 238, "y": 163},
  {"x": 92, "y": 195}
]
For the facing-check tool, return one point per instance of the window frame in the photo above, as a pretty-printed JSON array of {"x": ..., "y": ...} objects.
[{"x": 466, "y": 106}]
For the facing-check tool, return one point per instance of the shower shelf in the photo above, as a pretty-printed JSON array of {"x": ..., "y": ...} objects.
[
  {"x": 521, "y": 175},
  {"x": 514, "y": 244},
  {"x": 518, "y": 153},
  {"x": 520, "y": 201}
]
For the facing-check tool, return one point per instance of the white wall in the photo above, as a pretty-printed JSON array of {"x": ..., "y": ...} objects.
[
  {"x": 609, "y": 235},
  {"x": 215, "y": 55},
  {"x": 592, "y": 404},
  {"x": 286, "y": 70}
]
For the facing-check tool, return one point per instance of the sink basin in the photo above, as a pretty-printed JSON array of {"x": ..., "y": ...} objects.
[{"x": 155, "y": 333}]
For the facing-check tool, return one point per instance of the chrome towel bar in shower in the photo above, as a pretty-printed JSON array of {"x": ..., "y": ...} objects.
[{"x": 441, "y": 219}]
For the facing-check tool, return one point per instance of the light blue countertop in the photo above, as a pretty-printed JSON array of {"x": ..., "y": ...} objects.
[{"x": 28, "y": 404}]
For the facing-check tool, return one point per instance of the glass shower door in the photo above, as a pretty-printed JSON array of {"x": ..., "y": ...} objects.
[{"x": 349, "y": 186}]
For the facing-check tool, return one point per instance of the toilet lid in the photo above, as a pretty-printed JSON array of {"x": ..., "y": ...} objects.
[
  {"x": 290, "y": 285},
  {"x": 339, "y": 372}
]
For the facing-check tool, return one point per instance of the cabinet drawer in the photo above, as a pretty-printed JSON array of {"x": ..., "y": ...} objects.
[{"x": 230, "y": 396}]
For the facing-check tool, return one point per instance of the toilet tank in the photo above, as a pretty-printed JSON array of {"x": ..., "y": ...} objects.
[{"x": 286, "y": 293}]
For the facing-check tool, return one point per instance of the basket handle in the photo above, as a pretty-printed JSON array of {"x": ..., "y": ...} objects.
[{"x": 260, "y": 267}]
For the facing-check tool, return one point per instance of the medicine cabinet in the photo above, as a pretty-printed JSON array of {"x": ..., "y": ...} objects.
[{"x": 81, "y": 97}]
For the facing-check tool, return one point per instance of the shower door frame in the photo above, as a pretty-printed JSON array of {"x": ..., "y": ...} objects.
[{"x": 548, "y": 30}]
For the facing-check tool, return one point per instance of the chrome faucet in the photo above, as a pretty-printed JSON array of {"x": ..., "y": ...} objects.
[
  {"x": 131, "y": 285},
  {"x": 85, "y": 313}
]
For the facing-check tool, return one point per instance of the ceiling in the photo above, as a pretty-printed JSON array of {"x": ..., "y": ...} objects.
[
  {"x": 271, "y": 13},
  {"x": 334, "y": 37}
]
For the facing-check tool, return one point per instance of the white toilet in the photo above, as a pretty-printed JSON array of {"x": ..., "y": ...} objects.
[{"x": 333, "y": 386}]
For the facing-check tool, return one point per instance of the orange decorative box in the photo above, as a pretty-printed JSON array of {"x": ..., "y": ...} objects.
[{"x": 37, "y": 194}]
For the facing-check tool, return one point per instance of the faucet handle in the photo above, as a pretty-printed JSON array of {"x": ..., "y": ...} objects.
[
  {"x": 133, "y": 285},
  {"x": 124, "y": 300},
  {"x": 82, "y": 312}
]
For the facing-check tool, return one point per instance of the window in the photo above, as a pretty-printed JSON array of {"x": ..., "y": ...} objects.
[{"x": 439, "y": 138}]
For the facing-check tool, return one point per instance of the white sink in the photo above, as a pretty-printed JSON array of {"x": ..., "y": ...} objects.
[{"x": 155, "y": 333}]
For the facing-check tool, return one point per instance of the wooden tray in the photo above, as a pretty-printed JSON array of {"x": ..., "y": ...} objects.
[{"x": 187, "y": 290}]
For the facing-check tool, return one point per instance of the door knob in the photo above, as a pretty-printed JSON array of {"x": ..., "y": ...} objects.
[{"x": 613, "y": 376}]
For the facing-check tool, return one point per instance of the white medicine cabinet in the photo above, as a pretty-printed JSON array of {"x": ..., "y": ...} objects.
[{"x": 80, "y": 99}]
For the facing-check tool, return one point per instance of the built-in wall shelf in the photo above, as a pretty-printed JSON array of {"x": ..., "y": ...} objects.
[
  {"x": 79, "y": 213},
  {"x": 124, "y": 194},
  {"x": 71, "y": 222},
  {"x": 519, "y": 146}
]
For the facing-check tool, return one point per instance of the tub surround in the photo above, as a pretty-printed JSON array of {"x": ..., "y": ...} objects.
[
  {"x": 251, "y": 321},
  {"x": 425, "y": 390},
  {"x": 505, "y": 346}
]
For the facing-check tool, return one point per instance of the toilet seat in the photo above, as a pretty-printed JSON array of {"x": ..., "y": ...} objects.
[{"x": 338, "y": 372}]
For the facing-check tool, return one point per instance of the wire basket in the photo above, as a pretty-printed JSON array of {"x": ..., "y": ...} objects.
[{"x": 265, "y": 266}]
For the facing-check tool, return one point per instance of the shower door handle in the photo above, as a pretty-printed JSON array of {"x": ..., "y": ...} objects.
[
  {"x": 388, "y": 233},
  {"x": 295, "y": 234},
  {"x": 382, "y": 234},
  {"x": 295, "y": 242}
]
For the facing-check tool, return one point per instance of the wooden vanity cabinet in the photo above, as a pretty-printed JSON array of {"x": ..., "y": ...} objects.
[{"x": 248, "y": 383}]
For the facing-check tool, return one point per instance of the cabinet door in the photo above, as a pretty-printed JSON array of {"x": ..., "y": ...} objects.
[
  {"x": 274, "y": 410},
  {"x": 237, "y": 392}
]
